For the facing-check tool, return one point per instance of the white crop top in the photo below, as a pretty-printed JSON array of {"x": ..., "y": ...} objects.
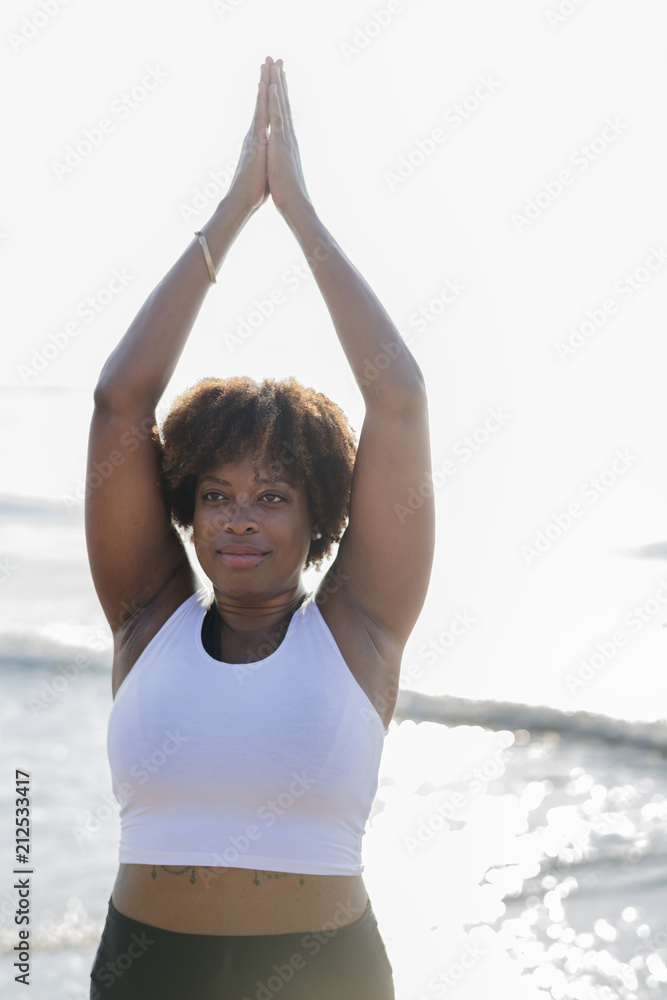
[{"x": 271, "y": 765}]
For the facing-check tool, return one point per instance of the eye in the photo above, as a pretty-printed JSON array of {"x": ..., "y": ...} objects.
[
  {"x": 211, "y": 495},
  {"x": 275, "y": 496}
]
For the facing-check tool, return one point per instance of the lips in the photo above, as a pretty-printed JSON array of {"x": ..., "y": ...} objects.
[
  {"x": 243, "y": 550},
  {"x": 241, "y": 556}
]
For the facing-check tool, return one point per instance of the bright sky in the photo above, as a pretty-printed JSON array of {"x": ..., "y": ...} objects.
[{"x": 495, "y": 171}]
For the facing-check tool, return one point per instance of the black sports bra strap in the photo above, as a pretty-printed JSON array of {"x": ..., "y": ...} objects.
[{"x": 210, "y": 632}]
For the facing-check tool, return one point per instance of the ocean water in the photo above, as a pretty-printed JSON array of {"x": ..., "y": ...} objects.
[{"x": 512, "y": 850}]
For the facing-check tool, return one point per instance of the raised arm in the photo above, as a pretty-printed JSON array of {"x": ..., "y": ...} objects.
[
  {"x": 384, "y": 560},
  {"x": 133, "y": 549}
]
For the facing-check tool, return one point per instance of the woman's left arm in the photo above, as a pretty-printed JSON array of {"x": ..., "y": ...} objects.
[
  {"x": 384, "y": 559},
  {"x": 385, "y": 556}
]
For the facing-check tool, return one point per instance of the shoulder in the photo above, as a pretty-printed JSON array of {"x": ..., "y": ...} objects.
[
  {"x": 350, "y": 623},
  {"x": 143, "y": 624}
]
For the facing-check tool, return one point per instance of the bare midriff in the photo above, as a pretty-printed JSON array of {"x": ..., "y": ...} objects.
[{"x": 200, "y": 900}]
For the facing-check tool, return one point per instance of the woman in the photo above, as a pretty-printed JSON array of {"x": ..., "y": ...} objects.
[{"x": 247, "y": 726}]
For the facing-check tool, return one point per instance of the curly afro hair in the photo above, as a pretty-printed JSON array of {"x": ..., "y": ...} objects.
[{"x": 284, "y": 422}]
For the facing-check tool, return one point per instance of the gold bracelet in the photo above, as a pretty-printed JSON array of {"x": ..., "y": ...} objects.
[{"x": 209, "y": 259}]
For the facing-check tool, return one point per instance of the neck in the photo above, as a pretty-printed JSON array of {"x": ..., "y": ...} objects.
[{"x": 246, "y": 616}]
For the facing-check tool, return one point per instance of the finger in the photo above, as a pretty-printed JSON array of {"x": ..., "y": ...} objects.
[
  {"x": 261, "y": 121},
  {"x": 287, "y": 104},
  {"x": 259, "y": 112},
  {"x": 283, "y": 100},
  {"x": 262, "y": 105},
  {"x": 276, "y": 76},
  {"x": 275, "y": 113}
]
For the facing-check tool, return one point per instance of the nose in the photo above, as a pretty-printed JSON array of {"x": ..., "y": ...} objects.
[{"x": 240, "y": 517}]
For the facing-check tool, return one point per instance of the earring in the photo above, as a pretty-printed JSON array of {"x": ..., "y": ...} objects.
[{"x": 317, "y": 535}]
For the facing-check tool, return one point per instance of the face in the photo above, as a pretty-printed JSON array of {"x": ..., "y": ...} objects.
[{"x": 251, "y": 531}]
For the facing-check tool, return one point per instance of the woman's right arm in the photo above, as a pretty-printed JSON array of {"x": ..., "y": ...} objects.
[
  {"x": 133, "y": 548},
  {"x": 140, "y": 367}
]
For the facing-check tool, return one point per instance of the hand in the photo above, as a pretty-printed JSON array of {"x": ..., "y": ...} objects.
[
  {"x": 250, "y": 185},
  {"x": 286, "y": 182}
]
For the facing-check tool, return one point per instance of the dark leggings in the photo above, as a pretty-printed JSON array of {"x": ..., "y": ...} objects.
[{"x": 136, "y": 961}]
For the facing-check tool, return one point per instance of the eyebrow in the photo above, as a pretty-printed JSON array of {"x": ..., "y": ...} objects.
[{"x": 263, "y": 482}]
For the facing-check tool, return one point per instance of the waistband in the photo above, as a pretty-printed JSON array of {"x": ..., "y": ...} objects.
[{"x": 184, "y": 939}]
